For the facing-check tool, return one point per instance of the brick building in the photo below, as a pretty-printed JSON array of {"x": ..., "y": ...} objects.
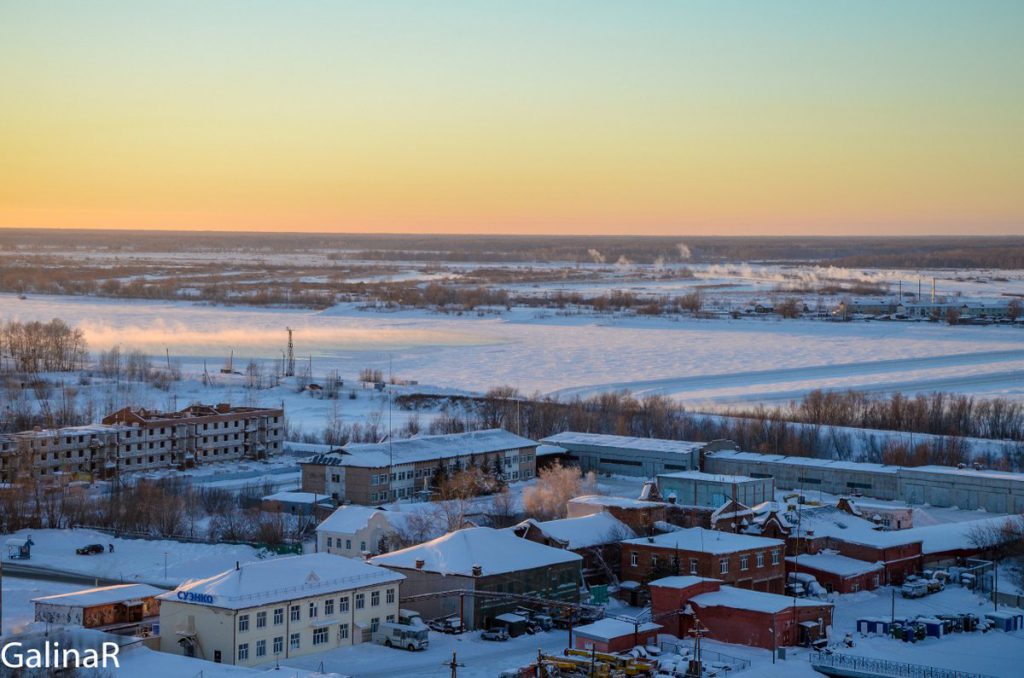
[
  {"x": 735, "y": 615},
  {"x": 742, "y": 560},
  {"x": 377, "y": 473},
  {"x": 142, "y": 440},
  {"x": 486, "y": 560},
  {"x": 838, "y": 573},
  {"x": 597, "y": 538}
]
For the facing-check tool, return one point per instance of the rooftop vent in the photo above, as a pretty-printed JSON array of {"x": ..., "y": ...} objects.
[
  {"x": 477, "y": 570},
  {"x": 420, "y": 563}
]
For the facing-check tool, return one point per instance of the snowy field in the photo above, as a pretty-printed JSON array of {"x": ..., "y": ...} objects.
[
  {"x": 707, "y": 363},
  {"x": 161, "y": 563}
]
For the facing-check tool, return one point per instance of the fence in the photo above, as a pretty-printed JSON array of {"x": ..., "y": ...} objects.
[
  {"x": 735, "y": 663},
  {"x": 280, "y": 549},
  {"x": 882, "y": 668}
]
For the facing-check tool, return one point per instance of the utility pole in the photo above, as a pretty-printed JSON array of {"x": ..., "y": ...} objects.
[
  {"x": 454, "y": 666},
  {"x": 892, "y": 612}
]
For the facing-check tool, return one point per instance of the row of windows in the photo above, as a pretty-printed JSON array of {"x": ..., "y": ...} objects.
[
  {"x": 321, "y": 636},
  {"x": 348, "y": 544},
  {"x": 723, "y": 563},
  {"x": 313, "y": 609}
]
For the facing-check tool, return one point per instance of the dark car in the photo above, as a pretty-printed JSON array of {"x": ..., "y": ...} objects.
[{"x": 90, "y": 549}]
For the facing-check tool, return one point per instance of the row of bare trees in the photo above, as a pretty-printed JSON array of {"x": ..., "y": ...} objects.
[
  {"x": 166, "y": 508},
  {"x": 806, "y": 428},
  {"x": 34, "y": 346}
]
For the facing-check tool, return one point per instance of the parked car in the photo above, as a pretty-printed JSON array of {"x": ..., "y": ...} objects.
[
  {"x": 498, "y": 633},
  {"x": 914, "y": 589},
  {"x": 934, "y": 585},
  {"x": 90, "y": 549}
]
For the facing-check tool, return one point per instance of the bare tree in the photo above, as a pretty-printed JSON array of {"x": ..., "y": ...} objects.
[{"x": 555, "y": 486}]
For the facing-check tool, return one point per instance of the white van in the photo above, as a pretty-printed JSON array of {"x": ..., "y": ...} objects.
[{"x": 394, "y": 634}]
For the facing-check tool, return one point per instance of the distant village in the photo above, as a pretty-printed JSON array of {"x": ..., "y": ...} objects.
[{"x": 748, "y": 549}]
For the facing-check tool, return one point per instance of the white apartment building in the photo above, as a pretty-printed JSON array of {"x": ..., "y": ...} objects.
[{"x": 275, "y": 609}]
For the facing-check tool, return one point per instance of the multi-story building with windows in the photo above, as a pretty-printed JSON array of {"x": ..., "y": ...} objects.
[
  {"x": 376, "y": 473},
  {"x": 745, "y": 561},
  {"x": 279, "y": 608},
  {"x": 142, "y": 440}
]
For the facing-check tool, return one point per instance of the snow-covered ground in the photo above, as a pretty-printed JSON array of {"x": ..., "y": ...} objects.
[
  {"x": 133, "y": 560},
  {"x": 701, "y": 362}
]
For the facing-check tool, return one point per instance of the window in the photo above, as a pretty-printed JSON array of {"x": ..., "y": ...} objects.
[
  {"x": 390, "y": 618},
  {"x": 243, "y": 652},
  {"x": 744, "y": 562},
  {"x": 348, "y": 544},
  {"x": 374, "y": 624},
  {"x": 874, "y": 581},
  {"x": 360, "y": 601},
  {"x": 343, "y": 631},
  {"x": 390, "y": 596},
  {"x": 295, "y": 641},
  {"x": 723, "y": 566},
  {"x": 329, "y": 607},
  {"x": 760, "y": 559},
  {"x": 693, "y": 566},
  {"x": 654, "y": 560},
  {"x": 243, "y": 623},
  {"x": 313, "y": 610},
  {"x": 775, "y": 557},
  {"x": 855, "y": 587},
  {"x": 296, "y": 613},
  {"x": 343, "y": 604},
  {"x": 330, "y": 542},
  {"x": 320, "y": 635},
  {"x": 261, "y": 620},
  {"x": 633, "y": 559},
  {"x": 278, "y": 645},
  {"x": 362, "y": 546},
  {"x": 278, "y": 616},
  {"x": 374, "y": 598},
  {"x": 261, "y": 648}
]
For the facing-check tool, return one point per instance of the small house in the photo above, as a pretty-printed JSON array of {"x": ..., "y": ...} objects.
[{"x": 614, "y": 635}]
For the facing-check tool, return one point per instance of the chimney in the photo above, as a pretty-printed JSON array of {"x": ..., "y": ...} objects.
[
  {"x": 420, "y": 563},
  {"x": 477, "y": 570}
]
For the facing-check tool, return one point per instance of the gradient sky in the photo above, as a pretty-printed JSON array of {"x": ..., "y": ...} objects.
[{"x": 549, "y": 116}]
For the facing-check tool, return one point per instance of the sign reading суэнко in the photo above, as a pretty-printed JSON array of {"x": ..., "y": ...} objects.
[{"x": 190, "y": 597}]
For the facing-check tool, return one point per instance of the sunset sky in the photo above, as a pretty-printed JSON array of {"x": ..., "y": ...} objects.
[{"x": 679, "y": 117}]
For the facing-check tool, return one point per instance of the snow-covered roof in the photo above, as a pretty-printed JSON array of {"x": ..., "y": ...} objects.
[
  {"x": 756, "y": 601},
  {"x": 828, "y": 521},
  {"x": 349, "y": 519},
  {"x": 544, "y": 450},
  {"x": 591, "y": 530},
  {"x": 278, "y": 579},
  {"x": 299, "y": 497},
  {"x": 424, "y": 448},
  {"x": 620, "y": 502},
  {"x": 606, "y": 629},
  {"x": 951, "y": 536},
  {"x": 495, "y": 551},
  {"x": 682, "y": 581},
  {"x": 603, "y": 440},
  {"x": 706, "y": 541},
  {"x": 976, "y": 473},
  {"x": 710, "y": 477},
  {"x": 805, "y": 461},
  {"x": 103, "y": 595},
  {"x": 833, "y": 563}
]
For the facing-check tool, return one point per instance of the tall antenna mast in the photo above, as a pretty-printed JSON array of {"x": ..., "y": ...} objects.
[{"x": 289, "y": 367}]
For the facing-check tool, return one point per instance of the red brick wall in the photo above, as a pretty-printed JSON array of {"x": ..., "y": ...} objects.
[
  {"x": 898, "y": 561},
  {"x": 769, "y": 578},
  {"x": 833, "y": 582},
  {"x": 620, "y": 644}
]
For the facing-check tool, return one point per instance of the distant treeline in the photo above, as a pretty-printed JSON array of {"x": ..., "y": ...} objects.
[{"x": 871, "y": 252}]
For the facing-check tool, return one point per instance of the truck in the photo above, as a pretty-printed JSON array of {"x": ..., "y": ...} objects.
[{"x": 409, "y": 632}]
